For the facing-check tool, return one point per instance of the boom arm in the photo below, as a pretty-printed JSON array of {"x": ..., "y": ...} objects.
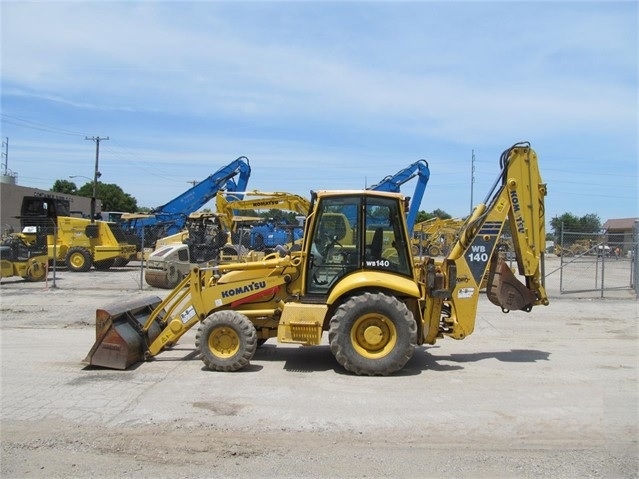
[
  {"x": 259, "y": 200},
  {"x": 453, "y": 286},
  {"x": 172, "y": 215},
  {"x": 392, "y": 183}
]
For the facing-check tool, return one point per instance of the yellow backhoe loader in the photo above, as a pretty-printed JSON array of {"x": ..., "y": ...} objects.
[{"x": 376, "y": 303}]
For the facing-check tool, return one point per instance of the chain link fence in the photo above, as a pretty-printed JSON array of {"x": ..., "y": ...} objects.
[
  {"x": 579, "y": 264},
  {"x": 600, "y": 263}
]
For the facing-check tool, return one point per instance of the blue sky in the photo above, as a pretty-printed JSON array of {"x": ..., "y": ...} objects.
[{"x": 325, "y": 95}]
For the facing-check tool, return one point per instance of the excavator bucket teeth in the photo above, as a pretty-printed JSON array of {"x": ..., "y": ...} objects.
[
  {"x": 505, "y": 290},
  {"x": 120, "y": 338}
]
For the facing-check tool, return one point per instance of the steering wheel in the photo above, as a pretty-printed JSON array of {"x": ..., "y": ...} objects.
[{"x": 331, "y": 243}]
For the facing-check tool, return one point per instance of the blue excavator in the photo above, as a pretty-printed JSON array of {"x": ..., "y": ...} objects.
[{"x": 171, "y": 217}]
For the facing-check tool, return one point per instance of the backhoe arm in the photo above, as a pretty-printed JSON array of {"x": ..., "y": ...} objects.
[{"x": 474, "y": 262}]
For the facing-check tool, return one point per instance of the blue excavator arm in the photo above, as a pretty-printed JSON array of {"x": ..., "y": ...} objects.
[
  {"x": 393, "y": 183},
  {"x": 171, "y": 217}
]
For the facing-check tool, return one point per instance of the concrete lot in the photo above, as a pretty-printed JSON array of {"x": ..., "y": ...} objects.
[{"x": 552, "y": 393}]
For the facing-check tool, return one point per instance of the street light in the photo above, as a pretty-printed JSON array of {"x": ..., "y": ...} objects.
[
  {"x": 93, "y": 197},
  {"x": 80, "y": 176}
]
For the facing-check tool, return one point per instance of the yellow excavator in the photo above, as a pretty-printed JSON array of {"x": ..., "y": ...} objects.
[
  {"x": 260, "y": 237},
  {"x": 435, "y": 236},
  {"x": 376, "y": 303}
]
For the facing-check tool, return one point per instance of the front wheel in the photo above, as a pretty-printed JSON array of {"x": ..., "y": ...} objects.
[
  {"x": 36, "y": 271},
  {"x": 78, "y": 259},
  {"x": 373, "y": 334},
  {"x": 227, "y": 341}
]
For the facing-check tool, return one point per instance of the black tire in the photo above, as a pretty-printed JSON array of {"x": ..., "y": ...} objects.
[
  {"x": 227, "y": 341},
  {"x": 434, "y": 251},
  {"x": 104, "y": 264},
  {"x": 372, "y": 334},
  {"x": 78, "y": 259}
]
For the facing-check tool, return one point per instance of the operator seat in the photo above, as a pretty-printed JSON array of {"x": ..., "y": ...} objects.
[{"x": 376, "y": 244}]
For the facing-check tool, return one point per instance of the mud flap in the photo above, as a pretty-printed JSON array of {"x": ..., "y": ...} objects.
[
  {"x": 120, "y": 339},
  {"x": 505, "y": 290}
]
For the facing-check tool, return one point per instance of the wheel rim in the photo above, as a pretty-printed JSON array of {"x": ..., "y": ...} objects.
[
  {"x": 224, "y": 342},
  {"x": 77, "y": 260},
  {"x": 373, "y": 335}
]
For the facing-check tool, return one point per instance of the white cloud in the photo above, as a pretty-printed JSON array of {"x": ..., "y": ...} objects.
[{"x": 413, "y": 78}]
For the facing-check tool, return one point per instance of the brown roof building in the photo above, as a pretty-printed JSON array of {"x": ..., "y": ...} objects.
[{"x": 620, "y": 232}]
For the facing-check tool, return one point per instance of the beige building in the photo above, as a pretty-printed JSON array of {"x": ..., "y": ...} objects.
[{"x": 11, "y": 200}]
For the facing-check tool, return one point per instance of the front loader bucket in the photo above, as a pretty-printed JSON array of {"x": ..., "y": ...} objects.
[
  {"x": 505, "y": 290},
  {"x": 120, "y": 338}
]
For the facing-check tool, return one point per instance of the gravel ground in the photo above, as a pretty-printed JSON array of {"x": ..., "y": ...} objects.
[{"x": 552, "y": 393}]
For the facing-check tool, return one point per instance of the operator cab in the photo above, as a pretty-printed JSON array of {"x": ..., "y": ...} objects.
[{"x": 354, "y": 233}]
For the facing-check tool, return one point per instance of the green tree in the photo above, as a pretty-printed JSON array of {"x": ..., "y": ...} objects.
[
  {"x": 65, "y": 186},
  {"x": 436, "y": 213},
  {"x": 113, "y": 198},
  {"x": 583, "y": 227}
]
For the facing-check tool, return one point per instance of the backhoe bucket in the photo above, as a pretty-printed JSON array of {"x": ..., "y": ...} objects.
[
  {"x": 120, "y": 339},
  {"x": 505, "y": 290}
]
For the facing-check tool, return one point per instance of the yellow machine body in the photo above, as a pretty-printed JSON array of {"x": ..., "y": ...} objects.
[{"x": 354, "y": 278}]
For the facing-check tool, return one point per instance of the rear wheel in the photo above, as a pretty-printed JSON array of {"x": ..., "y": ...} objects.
[
  {"x": 373, "y": 334},
  {"x": 78, "y": 259},
  {"x": 227, "y": 341}
]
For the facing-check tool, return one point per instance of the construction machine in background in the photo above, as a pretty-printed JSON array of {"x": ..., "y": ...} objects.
[
  {"x": 200, "y": 242},
  {"x": 171, "y": 217},
  {"x": 253, "y": 239},
  {"x": 216, "y": 237},
  {"x": 264, "y": 236},
  {"x": 29, "y": 261},
  {"x": 77, "y": 243},
  {"x": 376, "y": 303},
  {"x": 435, "y": 236}
]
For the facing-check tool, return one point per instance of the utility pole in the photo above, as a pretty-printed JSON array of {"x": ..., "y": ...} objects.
[
  {"x": 96, "y": 173},
  {"x": 5, "y": 155},
  {"x": 472, "y": 179}
]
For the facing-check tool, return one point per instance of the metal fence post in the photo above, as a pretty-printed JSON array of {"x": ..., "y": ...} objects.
[
  {"x": 635, "y": 263},
  {"x": 561, "y": 259},
  {"x": 142, "y": 261},
  {"x": 55, "y": 252},
  {"x": 603, "y": 267}
]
